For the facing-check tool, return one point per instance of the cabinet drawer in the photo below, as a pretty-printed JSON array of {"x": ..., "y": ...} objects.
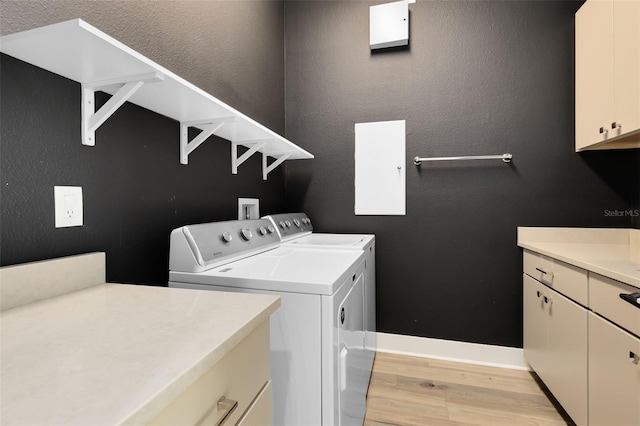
[
  {"x": 604, "y": 298},
  {"x": 562, "y": 277},
  {"x": 614, "y": 375},
  {"x": 239, "y": 376},
  {"x": 259, "y": 413}
]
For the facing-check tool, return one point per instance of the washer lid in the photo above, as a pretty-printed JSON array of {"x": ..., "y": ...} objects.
[
  {"x": 282, "y": 269},
  {"x": 340, "y": 241}
]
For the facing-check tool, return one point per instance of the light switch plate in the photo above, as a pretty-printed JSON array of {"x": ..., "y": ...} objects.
[{"x": 68, "y": 206}]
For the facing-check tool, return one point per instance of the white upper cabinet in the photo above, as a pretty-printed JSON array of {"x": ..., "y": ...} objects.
[{"x": 607, "y": 75}]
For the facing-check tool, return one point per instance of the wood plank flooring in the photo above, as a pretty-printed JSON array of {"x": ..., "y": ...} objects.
[{"x": 423, "y": 392}]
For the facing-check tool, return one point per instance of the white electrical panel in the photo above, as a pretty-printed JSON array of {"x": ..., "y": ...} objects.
[
  {"x": 68, "y": 206},
  {"x": 389, "y": 25},
  {"x": 380, "y": 158}
]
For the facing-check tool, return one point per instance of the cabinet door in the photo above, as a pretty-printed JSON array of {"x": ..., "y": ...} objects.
[
  {"x": 567, "y": 351},
  {"x": 535, "y": 325},
  {"x": 594, "y": 72},
  {"x": 626, "y": 50},
  {"x": 614, "y": 375},
  {"x": 555, "y": 345}
]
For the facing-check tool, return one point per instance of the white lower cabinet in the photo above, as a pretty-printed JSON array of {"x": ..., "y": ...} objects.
[
  {"x": 581, "y": 338},
  {"x": 614, "y": 375},
  {"x": 555, "y": 345},
  {"x": 241, "y": 377}
]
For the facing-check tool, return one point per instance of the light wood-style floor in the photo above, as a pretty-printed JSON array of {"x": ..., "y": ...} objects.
[{"x": 423, "y": 392}]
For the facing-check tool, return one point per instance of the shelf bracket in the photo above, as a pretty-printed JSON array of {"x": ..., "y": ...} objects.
[
  {"x": 236, "y": 161},
  {"x": 209, "y": 127},
  {"x": 268, "y": 168},
  {"x": 92, "y": 119}
]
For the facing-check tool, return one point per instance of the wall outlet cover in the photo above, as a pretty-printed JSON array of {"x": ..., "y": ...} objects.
[{"x": 68, "y": 206}]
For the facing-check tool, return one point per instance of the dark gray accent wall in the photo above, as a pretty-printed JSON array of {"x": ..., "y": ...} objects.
[
  {"x": 135, "y": 190},
  {"x": 232, "y": 49},
  {"x": 477, "y": 78}
]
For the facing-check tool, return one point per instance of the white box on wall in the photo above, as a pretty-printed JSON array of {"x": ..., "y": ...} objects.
[
  {"x": 380, "y": 158},
  {"x": 389, "y": 25}
]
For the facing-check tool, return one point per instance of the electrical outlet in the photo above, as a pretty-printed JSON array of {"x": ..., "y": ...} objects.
[
  {"x": 248, "y": 208},
  {"x": 68, "y": 206}
]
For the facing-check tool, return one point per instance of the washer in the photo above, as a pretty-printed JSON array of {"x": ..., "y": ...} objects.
[
  {"x": 296, "y": 230},
  {"x": 318, "y": 362}
]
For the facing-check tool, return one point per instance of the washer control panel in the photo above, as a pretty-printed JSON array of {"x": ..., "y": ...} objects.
[
  {"x": 291, "y": 224},
  {"x": 196, "y": 248}
]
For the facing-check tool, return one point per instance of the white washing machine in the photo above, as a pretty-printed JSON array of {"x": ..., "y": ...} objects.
[
  {"x": 296, "y": 230},
  {"x": 318, "y": 365}
]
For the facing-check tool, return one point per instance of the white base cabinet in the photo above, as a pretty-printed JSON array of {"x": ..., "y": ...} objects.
[
  {"x": 555, "y": 345},
  {"x": 614, "y": 375},
  {"x": 581, "y": 338},
  {"x": 241, "y": 376}
]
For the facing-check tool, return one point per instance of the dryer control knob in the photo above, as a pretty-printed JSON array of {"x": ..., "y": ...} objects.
[
  {"x": 288, "y": 224},
  {"x": 271, "y": 229},
  {"x": 226, "y": 237},
  {"x": 262, "y": 230},
  {"x": 296, "y": 222},
  {"x": 282, "y": 224},
  {"x": 246, "y": 234}
]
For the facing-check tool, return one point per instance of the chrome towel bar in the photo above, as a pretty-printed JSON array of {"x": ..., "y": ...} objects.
[{"x": 504, "y": 157}]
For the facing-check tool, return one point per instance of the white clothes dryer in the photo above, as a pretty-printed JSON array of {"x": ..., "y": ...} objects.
[
  {"x": 317, "y": 335},
  {"x": 296, "y": 230}
]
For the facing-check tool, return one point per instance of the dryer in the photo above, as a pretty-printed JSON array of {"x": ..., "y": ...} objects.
[
  {"x": 296, "y": 230},
  {"x": 317, "y": 342}
]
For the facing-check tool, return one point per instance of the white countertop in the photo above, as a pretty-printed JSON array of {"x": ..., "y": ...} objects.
[
  {"x": 115, "y": 353},
  {"x": 613, "y": 253}
]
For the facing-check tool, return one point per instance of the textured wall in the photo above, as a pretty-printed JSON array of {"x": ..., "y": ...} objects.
[
  {"x": 232, "y": 49},
  {"x": 135, "y": 191},
  {"x": 478, "y": 78}
]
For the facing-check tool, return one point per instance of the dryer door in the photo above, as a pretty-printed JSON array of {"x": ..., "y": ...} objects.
[{"x": 352, "y": 360}]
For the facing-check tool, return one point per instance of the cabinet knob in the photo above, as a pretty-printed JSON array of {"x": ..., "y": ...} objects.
[
  {"x": 633, "y": 357},
  {"x": 538, "y": 293},
  {"x": 616, "y": 125},
  {"x": 603, "y": 130},
  {"x": 548, "y": 299}
]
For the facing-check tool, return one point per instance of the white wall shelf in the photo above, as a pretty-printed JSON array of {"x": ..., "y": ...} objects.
[{"x": 78, "y": 51}]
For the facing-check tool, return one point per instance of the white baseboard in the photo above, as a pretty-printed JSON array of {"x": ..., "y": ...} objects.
[{"x": 449, "y": 350}]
